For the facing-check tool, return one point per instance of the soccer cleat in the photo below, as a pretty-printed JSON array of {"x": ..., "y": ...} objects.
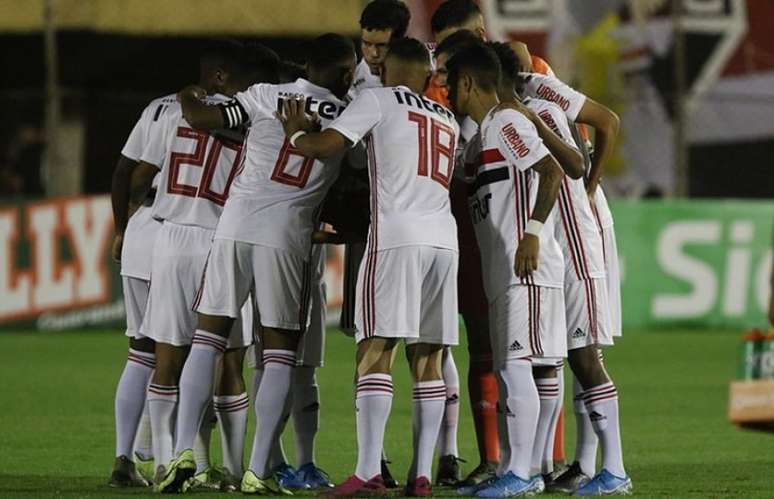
[
  {"x": 210, "y": 479},
  {"x": 355, "y": 487},
  {"x": 144, "y": 467},
  {"x": 268, "y": 486},
  {"x": 484, "y": 472},
  {"x": 419, "y": 487},
  {"x": 448, "y": 471},
  {"x": 389, "y": 481},
  {"x": 287, "y": 476},
  {"x": 509, "y": 485},
  {"x": 569, "y": 481},
  {"x": 125, "y": 474},
  {"x": 181, "y": 469},
  {"x": 605, "y": 483},
  {"x": 313, "y": 477},
  {"x": 538, "y": 485}
]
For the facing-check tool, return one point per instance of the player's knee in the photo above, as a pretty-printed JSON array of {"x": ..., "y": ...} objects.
[
  {"x": 169, "y": 364},
  {"x": 543, "y": 372},
  {"x": 215, "y": 324},
  {"x": 587, "y": 367},
  {"x": 146, "y": 345},
  {"x": 231, "y": 380},
  {"x": 375, "y": 356},
  {"x": 426, "y": 362},
  {"x": 279, "y": 339}
]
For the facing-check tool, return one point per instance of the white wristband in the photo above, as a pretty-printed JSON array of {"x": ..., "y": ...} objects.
[
  {"x": 533, "y": 227},
  {"x": 295, "y": 136}
]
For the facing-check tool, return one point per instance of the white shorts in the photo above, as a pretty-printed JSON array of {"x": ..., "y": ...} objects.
[
  {"x": 179, "y": 257},
  {"x": 408, "y": 292},
  {"x": 613, "y": 279},
  {"x": 311, "y": 348},
  {"x": 280, "y": 282},
  {"x": 587, "y": 314},
  {"x": 139, "y": 238},
  {"x": 527, "y": 321},
  {"x": 135, "y": 301}
]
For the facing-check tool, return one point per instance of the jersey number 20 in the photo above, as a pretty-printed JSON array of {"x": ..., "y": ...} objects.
[{"x": 200, "y": 157}]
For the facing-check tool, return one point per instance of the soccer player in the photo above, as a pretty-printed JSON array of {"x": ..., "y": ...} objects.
[
  {"x": 132, "y": 247},
  {"x": 577, "y": 235},
  {"x": 197, "y": 170},
  {"x": 516, "y": 185},
  {"x": 262, "y": 244},
  {"x": 406, "y": 284},
  {"x": 381, "y": 22},
  {"x": 598, "y": 390},
  {"x": 454, "y": 15}
]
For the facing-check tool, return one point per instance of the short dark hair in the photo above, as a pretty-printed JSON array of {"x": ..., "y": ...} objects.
[
  {"x": 457, "y": 40},
  {"x": 386, "y": 14},
  {"x": 509, "y": 63},
  {"x": 290, "y": 71},
  {"x": 410, "y": 50},
  {"x": 480, "y": 62},
  {"x": 329, "y": 49},
  {"x": 260, "y": 63},
  {"x": 453, "y": 13},
  {"x": 221, "y": 54}
]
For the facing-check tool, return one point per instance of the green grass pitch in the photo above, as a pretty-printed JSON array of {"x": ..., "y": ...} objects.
[{"x": 56, "y": 422}]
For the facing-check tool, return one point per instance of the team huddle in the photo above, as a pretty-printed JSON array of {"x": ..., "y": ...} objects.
[{"x": 461, "y": 177}]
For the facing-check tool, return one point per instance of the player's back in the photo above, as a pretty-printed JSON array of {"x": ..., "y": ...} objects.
[
  {"x": 411, "y": 160},
  {"x": 275, "y": 198},
  {"x": 197, "y": 169}
]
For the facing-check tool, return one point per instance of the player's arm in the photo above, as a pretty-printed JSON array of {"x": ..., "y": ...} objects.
[
  {"x": 606, "y": 124},
  {"x": 198, "y": 114},
  {"x": 569, "y": 158},
  {"x": 119, "y": 192},
  {"x": 301, "y": 130},
  {"x": 526, "y": 260},
  {"x": 140, "y": 182}
]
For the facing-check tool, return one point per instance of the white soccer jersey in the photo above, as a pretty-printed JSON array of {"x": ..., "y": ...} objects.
[
  {"x": 144, "y": 129},
  {"x": 411, "y": 142},
  {"x": 197, "y": 169},
  {"x": 571, "y": 101},
  {"x": 363, "y": 79},
  {"x": 576, "y": 227},
  {"x": 501, "y": 200},
  {"x": 275, "y": 199}
]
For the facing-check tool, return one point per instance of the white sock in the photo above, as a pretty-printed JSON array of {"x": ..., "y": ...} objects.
[
  {"x": 548, "y": 453},
  {"x": 602, "y": 404},
  {"x": 130, "y": 399},
  {"x": 548, "y": 393},
  {"x": 143, "y": 442},
  {"x": 306, "y": 413},
  {"x": 502, "y": 427},
  {"x": 521, "y": 414},
  {"x": 273, "y": 390},
  {"x": 201, "y": 448},
  {"x": 373, "y": 403},
  {"x": 429, "y": 400},
  {"x": 196, "y": 385},
  {"x": 232, "y": 414},
  {"x": 447, "y": 438},
  {"x": 162, "y": 406},
  {"x": 585, "y": 438},
  {"x": 277, "y": 453}
]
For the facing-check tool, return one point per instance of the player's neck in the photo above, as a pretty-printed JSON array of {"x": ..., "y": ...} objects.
[{"x": 480, "y": 104}]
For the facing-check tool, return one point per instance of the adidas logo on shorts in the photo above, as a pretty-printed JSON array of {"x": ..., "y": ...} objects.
[
  {"x": 578, "y": 333},
  {"x": 515, "y": 346}
]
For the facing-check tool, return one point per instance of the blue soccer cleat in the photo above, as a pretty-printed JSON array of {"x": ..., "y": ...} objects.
[
  {"x": 470, "y": 490},
  {"x": 605, "y": 483},
  {"x": 312, "y": 477},
  {"x": 509, "y": 485},
  {"x": 287, "y": 477}
]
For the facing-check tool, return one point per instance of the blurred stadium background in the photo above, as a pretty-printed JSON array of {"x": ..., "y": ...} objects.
[{"x": 692, "y": 183}]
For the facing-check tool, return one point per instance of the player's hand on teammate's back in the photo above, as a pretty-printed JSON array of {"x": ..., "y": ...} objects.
[
  {"x": 526, "y": 260},
  {"x": 192, "y": 92},
  {"x": 294, "y": 118},
  {"x": 118, "y": 244}
]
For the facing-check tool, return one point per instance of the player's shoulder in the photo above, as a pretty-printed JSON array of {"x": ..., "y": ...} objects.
[
  {"x": 156, "y": 108},
  {"x": 502, "y": 117},
  {"x": 540, "y": 105}
]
